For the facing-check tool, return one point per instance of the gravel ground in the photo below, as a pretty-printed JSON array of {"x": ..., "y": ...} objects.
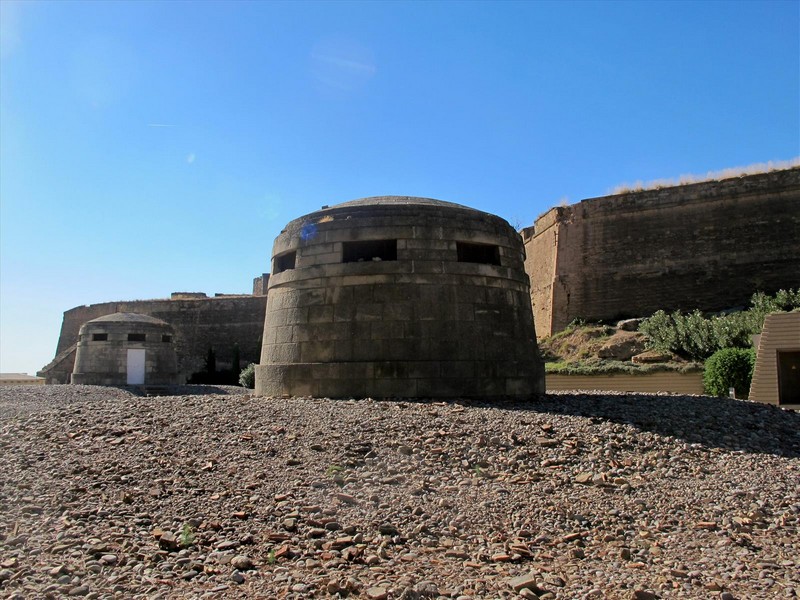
[{"x": 104, "y": 494}]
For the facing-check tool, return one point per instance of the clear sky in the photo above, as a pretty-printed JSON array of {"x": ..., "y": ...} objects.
[{"x": 147, "y": 148}]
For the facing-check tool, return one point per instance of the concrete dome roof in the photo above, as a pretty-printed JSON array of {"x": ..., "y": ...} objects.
[
  {"x": 125, "y": 317},
  {"x": 399, "y": 200}
]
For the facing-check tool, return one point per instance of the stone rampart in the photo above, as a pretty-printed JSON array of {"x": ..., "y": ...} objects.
[
  {"x": 200, "y": 323},
  {"x": 708, "y": 245}
]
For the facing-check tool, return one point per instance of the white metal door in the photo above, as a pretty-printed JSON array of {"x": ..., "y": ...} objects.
[{"x": 136, "y": 366}]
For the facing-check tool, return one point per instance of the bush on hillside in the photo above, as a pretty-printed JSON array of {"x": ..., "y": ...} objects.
[
  {"x": 247, "y": 378},
  {"x": 729, "y": 368},
  {"x": 696, "y": 337}
]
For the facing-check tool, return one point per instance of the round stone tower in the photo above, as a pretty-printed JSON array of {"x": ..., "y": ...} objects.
[
  {"x": 399, "y": 297},
  {"x": 125, "y": 349}
]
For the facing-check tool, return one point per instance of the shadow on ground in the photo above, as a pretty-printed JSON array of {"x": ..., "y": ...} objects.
[
  {"x": 182, "y": 390},
  {"x": 724, "y": 423}
]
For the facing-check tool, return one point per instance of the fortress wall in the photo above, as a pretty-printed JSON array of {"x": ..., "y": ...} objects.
[
  {"x": 541, "y": 244},
  {"x": 709, "y": 245},
  {"x": 199, "y": 323}
]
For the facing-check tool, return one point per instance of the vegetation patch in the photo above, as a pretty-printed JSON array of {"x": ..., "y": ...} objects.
[
  {"x": 696, "y": 336},
  {"x": 685, "y": 339},
  {"x": 611, "y": 367},
  {"x": 729, "y": 368}
]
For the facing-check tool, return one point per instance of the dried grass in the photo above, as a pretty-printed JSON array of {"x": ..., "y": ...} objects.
[{"x": 754, "y": 169}]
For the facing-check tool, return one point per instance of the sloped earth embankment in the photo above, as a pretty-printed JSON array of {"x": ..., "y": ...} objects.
[{"x": 108, "y": 495}]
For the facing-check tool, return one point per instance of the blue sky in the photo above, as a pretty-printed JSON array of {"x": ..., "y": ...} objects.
[{"x": 147, "y": 148}]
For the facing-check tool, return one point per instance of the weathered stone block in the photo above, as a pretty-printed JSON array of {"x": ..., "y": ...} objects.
[
  {"x": 398, "y": 311},
  {"x": 320, "y": 314},
  {"x": 316, "y": 351},
  {"x": 384, "y": 330},
  {"x": 369, "y": 312}
]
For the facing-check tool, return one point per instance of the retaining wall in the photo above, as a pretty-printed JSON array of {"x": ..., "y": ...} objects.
[{"x": 649, "y": 383}]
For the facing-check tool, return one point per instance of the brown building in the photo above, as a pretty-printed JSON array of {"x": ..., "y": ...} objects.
[
  {"x": 20, "y": 379},
  {"x": 776, "y": 379}
]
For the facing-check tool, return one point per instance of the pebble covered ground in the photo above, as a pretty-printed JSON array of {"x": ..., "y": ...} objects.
[{"x": 104, "y": 494}]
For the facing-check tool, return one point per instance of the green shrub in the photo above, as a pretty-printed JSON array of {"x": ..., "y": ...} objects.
[
  {"x": 729, "y": 368},
  {"x": 247, "y": 378},
  {"x": 697, "y": 337},
  {"x": 689, "y": 335}
]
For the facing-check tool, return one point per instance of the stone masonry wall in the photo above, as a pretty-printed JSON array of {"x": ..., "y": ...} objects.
[
  {"x": 709, "y": 245},
  {"x": 423, "y": 325},
  {"x": 199, "y": 323}
]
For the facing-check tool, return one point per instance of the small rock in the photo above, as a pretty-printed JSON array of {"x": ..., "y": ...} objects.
[
  {"x": 644, "y": 595},
  {"x": 629, "y": 324},
  {"x": 427, "y": 589},
  {"x": 335, "y": 587},
  {"x": 387, "y": 529},
  {"x": 346, "y": 498},
  {"x": 377, "y": 593},
  {"x": 168, "y": 542},
  {"x": 652, "y": 356},
  {"x": 290, "y": 524},
  {"x": 525, "y": 582},
  {"x": 227, "y": 545},
  {"x": 80, "y": 590},
  {"x": 237, "y": 577},
  {"x": 242, "y": 562},
  {"x": 55, "y": 571}
]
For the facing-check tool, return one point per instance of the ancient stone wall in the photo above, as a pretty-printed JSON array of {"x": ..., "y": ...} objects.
[
  {"x": 200, "y": 323},
  {"x": 709, "y": 245}
]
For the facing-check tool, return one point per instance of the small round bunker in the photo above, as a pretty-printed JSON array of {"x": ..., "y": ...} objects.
[
  {"x": 125, "y": 349},
  {"x": 399, "y": 297}
]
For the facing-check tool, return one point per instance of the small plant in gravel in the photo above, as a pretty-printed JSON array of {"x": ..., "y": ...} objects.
[
  {"x": 333, "y": 470},
  {"x": 271, "y": 558},
  {"x": 187, "y": 536},
  {"x": 247, "y": 378},
  {"x": 478, "y": 471},
  {"x": 336, "y": 473}
]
